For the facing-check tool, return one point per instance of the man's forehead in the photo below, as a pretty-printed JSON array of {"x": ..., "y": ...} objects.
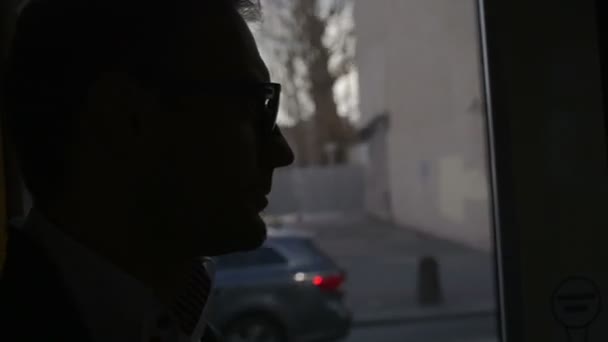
[{"x": 222, "y": 48}]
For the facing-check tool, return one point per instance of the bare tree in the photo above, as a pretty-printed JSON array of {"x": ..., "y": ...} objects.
[{"x": 311, "y": 46}]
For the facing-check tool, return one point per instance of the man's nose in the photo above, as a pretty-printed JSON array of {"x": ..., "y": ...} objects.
[{"x": 282, "y": 154}]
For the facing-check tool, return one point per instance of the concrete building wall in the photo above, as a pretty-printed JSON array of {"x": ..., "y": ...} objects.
[
  {"x": 317, "y": 190},
  {"x": 371, "y": 63},
  {"x": 371, "y": 58},
  {"x": 427, "y": 52}
]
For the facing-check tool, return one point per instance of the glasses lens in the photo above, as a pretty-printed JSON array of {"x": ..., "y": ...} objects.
[{"x": 271, "y": 107}]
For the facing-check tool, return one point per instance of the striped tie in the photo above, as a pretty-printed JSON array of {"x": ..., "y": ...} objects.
[{"x": 189, "y": 306}]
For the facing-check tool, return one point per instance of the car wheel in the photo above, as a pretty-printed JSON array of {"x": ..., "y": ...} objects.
[{"x": 253, "y": 329}]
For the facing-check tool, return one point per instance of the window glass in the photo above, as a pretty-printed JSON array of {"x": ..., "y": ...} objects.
[
  {"x": 264, "y": 256},
  {"x": 302, "y": 251},
  {"x": 382, "y": 104}
]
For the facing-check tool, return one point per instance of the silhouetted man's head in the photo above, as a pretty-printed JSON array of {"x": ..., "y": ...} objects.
[{"x": 159, "y": 113}]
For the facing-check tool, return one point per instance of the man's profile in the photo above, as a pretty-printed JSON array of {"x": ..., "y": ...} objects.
[{"x": 146, "y": 134}]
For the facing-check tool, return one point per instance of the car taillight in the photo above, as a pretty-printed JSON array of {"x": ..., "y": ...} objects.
[{"x": 329, "y": 282}]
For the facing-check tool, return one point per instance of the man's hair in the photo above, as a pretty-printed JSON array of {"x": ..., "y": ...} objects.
[{"x": 59, "y": 48}]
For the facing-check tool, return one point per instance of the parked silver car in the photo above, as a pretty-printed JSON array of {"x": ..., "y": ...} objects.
[{"x": 286, "y": 291}]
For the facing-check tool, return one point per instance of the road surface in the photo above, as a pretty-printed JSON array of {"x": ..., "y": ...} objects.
[{"x": 478, "y": 329}]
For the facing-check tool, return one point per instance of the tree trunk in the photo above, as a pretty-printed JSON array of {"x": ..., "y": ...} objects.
[{"x": 329, "y": 127}]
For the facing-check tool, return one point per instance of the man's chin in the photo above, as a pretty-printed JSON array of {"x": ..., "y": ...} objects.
[
  {"x": 240, "y": 236},
  {"x": 253, "y": 235}
]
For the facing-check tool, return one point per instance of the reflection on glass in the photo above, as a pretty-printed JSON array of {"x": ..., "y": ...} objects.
[{"x": 384, "y": 220}]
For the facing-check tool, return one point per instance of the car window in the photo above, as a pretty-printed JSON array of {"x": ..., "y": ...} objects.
[
  {"x": 302, "y": 251},
  {"x": 264, "y": 256}
]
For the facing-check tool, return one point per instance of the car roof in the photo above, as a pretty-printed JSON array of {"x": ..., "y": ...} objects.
[{"x": 286, "y": 232}]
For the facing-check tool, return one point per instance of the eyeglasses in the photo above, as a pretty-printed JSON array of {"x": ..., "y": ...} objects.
[
  {"x": 270, "y": 94},
  {"x": 266, "y": 96}
]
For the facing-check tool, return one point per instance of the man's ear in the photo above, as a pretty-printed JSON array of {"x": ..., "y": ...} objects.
[{"x": 120, "y": 107}]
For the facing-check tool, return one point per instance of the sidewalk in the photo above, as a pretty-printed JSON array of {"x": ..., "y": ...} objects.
[
  {"x": 420, "y": 314},
  {"x": 381, "y": 261}
]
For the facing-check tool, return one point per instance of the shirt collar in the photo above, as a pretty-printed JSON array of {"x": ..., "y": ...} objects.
[{"x": 115, "y": 306}]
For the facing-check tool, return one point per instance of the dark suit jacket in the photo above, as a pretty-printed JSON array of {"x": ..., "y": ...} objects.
[{"x": 34, "y": 303}]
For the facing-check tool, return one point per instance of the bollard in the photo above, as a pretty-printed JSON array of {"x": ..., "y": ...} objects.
[{"x": 429, "y": 282}]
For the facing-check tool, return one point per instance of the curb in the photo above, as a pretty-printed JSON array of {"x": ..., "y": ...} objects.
[{"x": 421, "y": 315}]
